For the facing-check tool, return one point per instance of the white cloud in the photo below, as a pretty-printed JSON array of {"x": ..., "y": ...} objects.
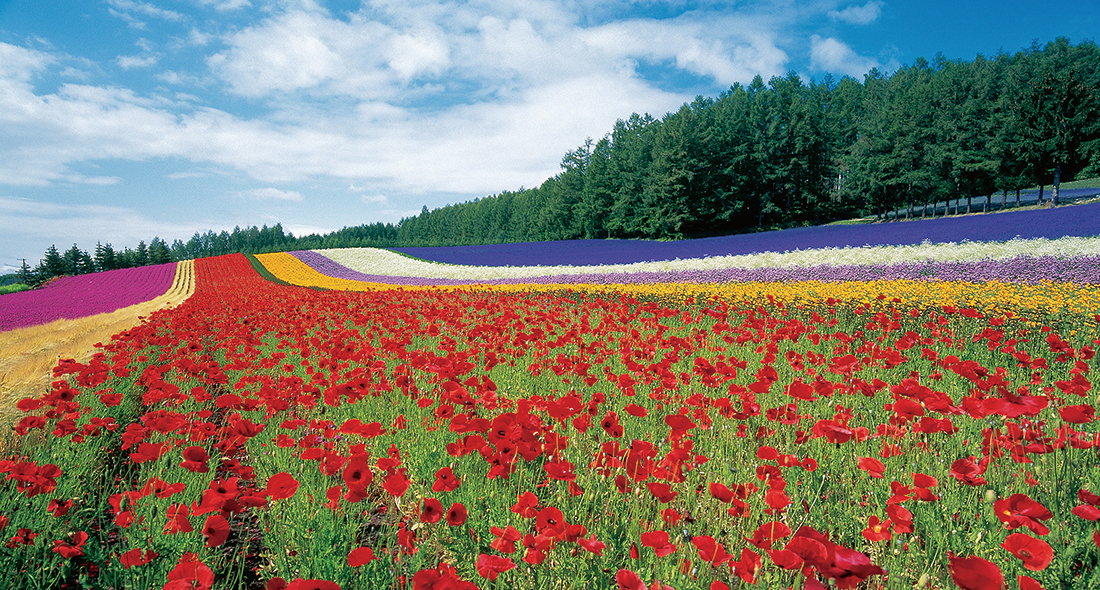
[
  {"x": 45, "y": 222},
  {"x": 127, "y": 62},
  {"x": 272, "y": 194},
  {"x": 374, "y": 199},
  {"x": 225, "y": 5},
  {"x": 828, "y": 54},
  {"x": 858, "y": 15},
  {"x": 129, "y": 11}
]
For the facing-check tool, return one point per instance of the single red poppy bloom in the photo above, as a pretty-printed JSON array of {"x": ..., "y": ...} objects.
[
  {"x": 456, "y": 515},
  {"x": 721, "y": 492},
  {"x": 360, "y": 556},
  {"x": 215, "y": 530},
  {"x": 872, "y": 466},
  {"x": 628, "y": 580},
  {"x": 431, "y": 511},
  {"x": 1035, "y": 553},
  {"x": 136, "y": 557},
  {"x": 1027, "y": 583},
  {"x": 1020, "y": 510},
  {"x": 491, "y": 566},
  {"x": 282, "y": 486},
  {"x": 527, "y": 505},
  {"x": 445, "y": 480},
  {"x": 662, "y": 491},
  {"x": 877, "y": 530},
  {"x": 975, "y": 573},
  {"x": 396, "y": 484}
]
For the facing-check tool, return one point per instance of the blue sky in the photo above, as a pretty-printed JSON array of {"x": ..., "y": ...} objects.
[{"x": 121, "y": 120}]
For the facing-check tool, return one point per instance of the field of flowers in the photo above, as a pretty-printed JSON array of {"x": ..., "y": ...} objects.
[
  {"x": 624, "y": 432},
  {"x": 85, "y": 295}
]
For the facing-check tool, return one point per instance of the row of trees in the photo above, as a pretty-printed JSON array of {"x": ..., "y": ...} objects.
[
  {"x": 787, "y": 153},
  {"x": 760, "y": 156}
]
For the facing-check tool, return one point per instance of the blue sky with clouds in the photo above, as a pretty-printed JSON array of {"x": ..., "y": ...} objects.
[{"x": 121, "y": 120}]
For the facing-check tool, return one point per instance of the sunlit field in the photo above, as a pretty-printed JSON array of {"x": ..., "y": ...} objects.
[{"x": 807, "y": 435}]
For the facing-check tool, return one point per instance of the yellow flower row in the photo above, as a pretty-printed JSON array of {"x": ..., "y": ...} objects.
[{"x": 992, "y": 296}]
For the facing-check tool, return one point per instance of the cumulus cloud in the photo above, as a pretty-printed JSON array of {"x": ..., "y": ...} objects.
[
  {"x": 828, "y": 54},
  {"x": 858, "y": 15}
]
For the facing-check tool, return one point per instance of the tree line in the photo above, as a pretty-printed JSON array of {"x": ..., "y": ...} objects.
[
  {"x": 758, "y": 157},
  {"x": 786, "y": 153}
]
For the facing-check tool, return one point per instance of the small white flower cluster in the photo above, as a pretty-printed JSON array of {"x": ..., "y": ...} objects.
[{"x": 384, "y": 262}]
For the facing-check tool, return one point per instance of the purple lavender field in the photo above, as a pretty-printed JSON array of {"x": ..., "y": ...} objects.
[
  {"x": 85, "y": 295},
  {"x": 1077, "y": 220}
]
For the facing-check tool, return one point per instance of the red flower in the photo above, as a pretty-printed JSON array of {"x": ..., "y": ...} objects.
[
  {"x": 431, "y": 511},
  {"x": 136, "y": 556},
  {"x": 491, "y": 566},
  {"x": 662, "y": 491},
  {"x": 194, "y": 459},
  {"x": 445, "y": 481},
  {"x": 527, "y": 505},
  {"x": 190, "y": 573},
  {"x": 74, "y": 547},
  {"x": 629, "y": 580},
  {"x": 975, "y": 573},
  {"x": 282, "y": 486},
  {"x": 872, "y": 466},
  {"x": 360, "y": 556},
  {"x": 357, "y": 475},
  {"x": 215, "y": 530},
  {"x": 659, "y": 541},
  {"x": 456, "y": 515},
  {"x": 877, "y": 530},
  {"x": 1035, "y": 553},
  {"x": 1027, "y": 583},
  {"x": 396, "y": 483},
  {"x": 968, "y": 472},
  {"x": 1020, "y": 510},
  {"x": 720, "y": 492}
]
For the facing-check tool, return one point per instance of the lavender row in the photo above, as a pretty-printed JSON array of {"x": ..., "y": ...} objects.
[
  {"x": 1077, "y": 220},
  {"x": 1021, "y": 269},
  {"x": 85, "y": 295}
]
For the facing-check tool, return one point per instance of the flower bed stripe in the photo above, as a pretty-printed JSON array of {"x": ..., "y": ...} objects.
[
  {"x": 993, "y": 296},
  {"x": 1078, "y": 220},
  {"x": 85, "y": 295},
  {"x": 1070, "y": 260}
]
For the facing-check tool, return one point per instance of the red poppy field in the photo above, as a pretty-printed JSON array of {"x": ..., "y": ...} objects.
[{"x": 269, "y": 436}]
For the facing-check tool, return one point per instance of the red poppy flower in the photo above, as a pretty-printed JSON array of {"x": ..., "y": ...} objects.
[
  {"x": 662, "y": 491},
  {"x": 1020, "y": 510},
  {"x": 215, "y": 530},
  {"x": 968, "y": 472},
  {"x": 659, "y": 541},
  {"x": 135, "y": 557},
  {"x": 357, "y": 474},
  {"x": 396, "y": 484},
  {"x": 527, "y": 505},
  {"x": 550, "y": 522},
  {"x": 1035, "y": 553},
  {"x": 73, "y": 547},
  {"x": 721, "y": 492},
  {"x": 769, "y": 533},
  {"x": 491, "y": 566},
  {"x": 877, "y": 530},
  {"x": 1082, "y": 414},
  {"x": 710, "y": 551},
  {"x": 636, "y": 410},
  {"x": 628, "y": 580},
  {"x": 282, "y": 486},
  {"x": 445, "y": 480},
  {"x": 456, "y": 514},
  {"x": 748, "y": 566},
  {"x": 592, "y": 545},
  {"x": 872, "y": 466},
  {"x": 177, "y": 520},
  {"x": 1027, "y": 583},
  {"x": 975, "y": 573},
  {"x": 190, "y": 573},
  {"x": 360, "y": 556},
  {"x": 505, "y": 541},
  {"x": 431, "y": 511}
]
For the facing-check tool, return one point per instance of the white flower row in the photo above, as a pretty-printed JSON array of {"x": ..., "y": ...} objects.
[{"x": 384, "y": 262}]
